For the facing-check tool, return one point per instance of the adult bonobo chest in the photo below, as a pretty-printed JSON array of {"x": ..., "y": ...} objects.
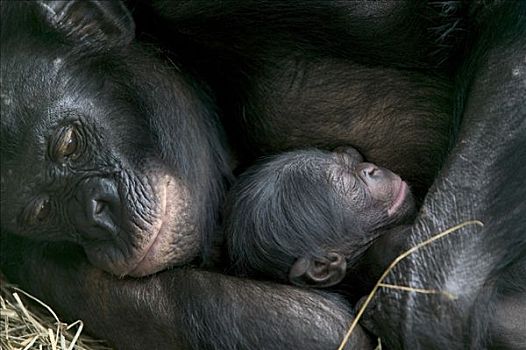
[{"x": 293, "y": 75}]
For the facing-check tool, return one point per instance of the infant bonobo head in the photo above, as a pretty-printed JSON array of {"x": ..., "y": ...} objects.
[{"x": 303, "y": 216}]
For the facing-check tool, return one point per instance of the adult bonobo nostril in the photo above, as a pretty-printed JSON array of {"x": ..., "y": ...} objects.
[{"x": 102, "y": 208}]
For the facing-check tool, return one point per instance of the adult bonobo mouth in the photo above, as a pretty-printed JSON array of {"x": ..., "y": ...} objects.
[
  {"x": 155, "y": 255},
  {"x": 152, "y": 248},
  {"x": 143, "y": 229}
]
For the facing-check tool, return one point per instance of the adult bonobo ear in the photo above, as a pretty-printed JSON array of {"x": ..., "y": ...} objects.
[
  {"x": 326, "y": 271},
  {"x": 105, "y": 23}
]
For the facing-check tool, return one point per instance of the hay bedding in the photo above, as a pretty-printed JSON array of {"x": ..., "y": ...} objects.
[{"x": 27, "y": 323}]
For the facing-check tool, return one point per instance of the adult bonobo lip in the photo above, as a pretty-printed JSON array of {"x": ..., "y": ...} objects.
[
  {"x": 147, "y": 262},
  {"x": 157, "y": 228}
]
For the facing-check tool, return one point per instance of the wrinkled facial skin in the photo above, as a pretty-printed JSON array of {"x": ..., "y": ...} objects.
[
  {"x": 375, "y": 196},
  {"x": 89, "y": 157}
]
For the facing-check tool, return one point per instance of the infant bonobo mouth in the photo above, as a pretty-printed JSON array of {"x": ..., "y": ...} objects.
[{"x": 401, "y": 193}]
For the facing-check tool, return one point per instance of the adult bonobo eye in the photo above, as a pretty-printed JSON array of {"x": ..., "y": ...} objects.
[
  {"x": 65, "y": 144},
  {"x": 38, "y": 211}
]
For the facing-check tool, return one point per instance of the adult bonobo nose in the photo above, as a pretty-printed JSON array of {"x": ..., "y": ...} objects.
[{"x": 100, "y": 203}]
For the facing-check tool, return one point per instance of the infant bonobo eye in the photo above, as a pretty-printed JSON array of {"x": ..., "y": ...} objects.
[
  {"x": 369, "y": 199},
  {"x": 306, "y": 215},
  {"x": 349, "y": 152}
]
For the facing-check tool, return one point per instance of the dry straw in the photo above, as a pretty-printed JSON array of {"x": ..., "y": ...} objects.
[
  {"x": 405, "y": 288},
  {"x": 32, "y": 327}
]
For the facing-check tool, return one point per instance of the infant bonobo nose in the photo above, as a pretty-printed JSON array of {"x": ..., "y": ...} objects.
[
  {"x": 102, "y": 207},
  {"x": 369, "y": 171}
]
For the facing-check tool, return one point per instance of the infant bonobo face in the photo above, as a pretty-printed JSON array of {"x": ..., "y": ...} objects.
[
  {"x": 303, "y": 216},
  {"x": 375, "y": 195},
  {"x": 374, "y": 200}
]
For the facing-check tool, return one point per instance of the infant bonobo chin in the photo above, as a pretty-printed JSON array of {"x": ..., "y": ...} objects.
[{"x": 306, "y": 216}]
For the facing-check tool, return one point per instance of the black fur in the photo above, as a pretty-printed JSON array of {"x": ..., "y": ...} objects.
[{"x": 365, "y": 74}]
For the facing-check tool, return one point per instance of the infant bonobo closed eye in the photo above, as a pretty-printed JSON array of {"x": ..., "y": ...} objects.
[{"x": 304, "y": 216}]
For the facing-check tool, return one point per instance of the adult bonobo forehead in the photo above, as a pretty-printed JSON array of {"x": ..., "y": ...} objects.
[{"x": 102, "y": 144}]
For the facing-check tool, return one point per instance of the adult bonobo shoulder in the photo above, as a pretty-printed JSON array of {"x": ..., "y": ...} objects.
[
  {"x": 307, "y": 217},
  {"x": 112, "y": 158}
]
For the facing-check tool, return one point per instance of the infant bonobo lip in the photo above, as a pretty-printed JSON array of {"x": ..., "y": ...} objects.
[{"x": 398, "y": 199}]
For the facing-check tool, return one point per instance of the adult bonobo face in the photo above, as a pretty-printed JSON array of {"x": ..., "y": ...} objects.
[
  {"x": 311, "y": 209},
  {"x": 100, "y": 144}
]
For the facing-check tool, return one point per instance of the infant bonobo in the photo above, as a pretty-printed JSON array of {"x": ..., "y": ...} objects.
[{"x": 306, "y": 217}]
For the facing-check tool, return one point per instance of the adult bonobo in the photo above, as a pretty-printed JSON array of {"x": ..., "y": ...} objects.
[
  {"x": 376, "y": 75},
  {"x": 482, "y": 268},
  {"x": 386, "y": 77},
  {"x": 110, "y": 157}
]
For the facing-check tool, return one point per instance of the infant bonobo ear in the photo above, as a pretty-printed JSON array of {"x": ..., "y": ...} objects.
[
  {"x": 321, "y": 272},
  {"x": 104, "y": 23}
]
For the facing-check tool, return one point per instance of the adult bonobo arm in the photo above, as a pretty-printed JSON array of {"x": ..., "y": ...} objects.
[
  {"x": 482, "y": 268},
  {"x": 181, "y": 308}
]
